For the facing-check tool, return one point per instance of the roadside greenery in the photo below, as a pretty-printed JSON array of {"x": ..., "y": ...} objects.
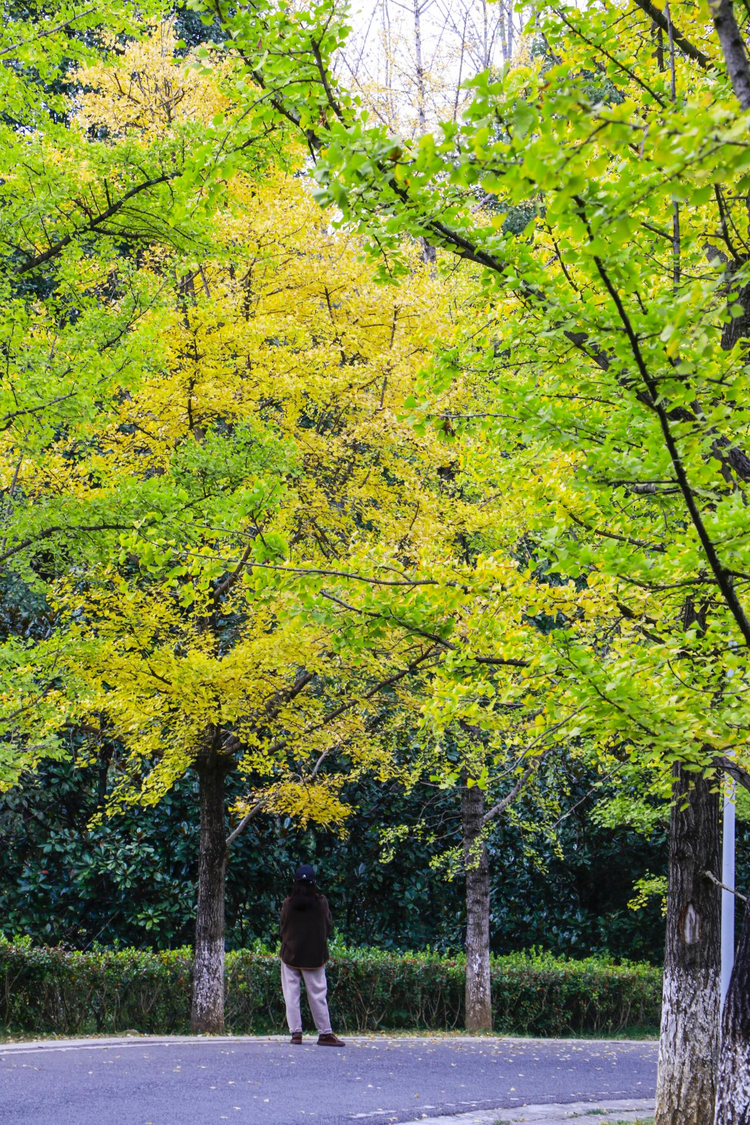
[
  {"x": 47, "y": 990},
  {"x": 131, "y": 879}
]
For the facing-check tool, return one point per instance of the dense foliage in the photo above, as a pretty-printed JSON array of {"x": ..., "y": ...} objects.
[
  {"x": 322, "y": 535},
  {"x": 610, "y": 373},
  {"x": 105, "y": 991},
  {"x": 131, "y": 879}
]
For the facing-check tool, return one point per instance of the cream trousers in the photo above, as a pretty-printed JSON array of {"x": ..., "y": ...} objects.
[{"x": 317, "y": 989}]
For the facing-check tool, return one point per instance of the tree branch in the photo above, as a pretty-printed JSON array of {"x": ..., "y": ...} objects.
[
  {"x": 511, "y": 662},
  {"x": 50, "y": 531},
  {"x": 611, "y": 58},
  {"x": 233, "y": 578},
  {"x": 684, "y": 44},
  {"x": 737, "y": 773},
  {"x": 354, "y": 577},
  {"x": 531, "y": 768},
  {"x": 45, "y": 34},
  {"x": 244, "y": 822},
  {"x": 501, "y": 806},
  {"x": 330, "y": 718},
  {"x": 710, "y": 875},
  {"x": 57, "y": 247},
  {"x": 7, "y": 420},
  {"x": 723, "y": 577},
  {"x": 613, "y": 535}
]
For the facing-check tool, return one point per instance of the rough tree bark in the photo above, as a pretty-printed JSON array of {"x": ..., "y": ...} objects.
[
  {"x": 733, "y": 49},
  {"x": 689, "y": 1042},
  {"x": 208, "y": 969},
  {"x": 478, "y": 988},
  {"x": 733, "y": 1083}
]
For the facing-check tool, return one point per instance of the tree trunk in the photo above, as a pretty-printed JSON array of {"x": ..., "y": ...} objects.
[
  {"x": 478, "y": 988},
  {"x": 733, "y": 1095},
  {"x": 688, "y": 1047},
  {"x": 419, "y": 71},
  {"x": 208, "y": 970}
]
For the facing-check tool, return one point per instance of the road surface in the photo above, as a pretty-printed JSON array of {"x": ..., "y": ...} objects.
[{"x": 374, "y": 1081}]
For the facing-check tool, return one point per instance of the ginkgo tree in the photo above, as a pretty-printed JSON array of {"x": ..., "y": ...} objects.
[
  {"x": 243, "y": 434},
  {"x": 244, "y": 540},
  {"x": 493, "y": 709},
  {"x": 207, "y": 399},
  {"x": 260, "y": 442},
  {"x": 161, "y": 407}
]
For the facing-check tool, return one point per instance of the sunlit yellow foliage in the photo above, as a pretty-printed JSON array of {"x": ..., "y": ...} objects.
[
  {"x": 317, "y": 802},
  {"x": 289, "y": 552},
  {"x": 144, "y": 90},
  {"x": 260, "y": 436}
]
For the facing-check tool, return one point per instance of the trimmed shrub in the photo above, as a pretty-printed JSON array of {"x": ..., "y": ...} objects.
[{"x": 53, "y": 991}]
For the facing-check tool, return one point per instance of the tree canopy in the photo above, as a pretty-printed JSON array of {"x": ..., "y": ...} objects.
[{"x": 333, "y": 454}]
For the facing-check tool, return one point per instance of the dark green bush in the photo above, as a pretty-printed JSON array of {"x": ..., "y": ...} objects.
[
  {"x": 131, "y": 880},
  {"x": 48, "y": 990}
]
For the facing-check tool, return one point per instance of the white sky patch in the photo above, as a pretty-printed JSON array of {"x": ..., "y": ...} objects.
[{"x": 408, "y": 58}]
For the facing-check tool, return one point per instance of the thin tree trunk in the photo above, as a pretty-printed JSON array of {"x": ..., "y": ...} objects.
[
  {"x": 419, "y": 69},
  {"x": 429, "y": 253},
  {"x": 478, "y": 987},
  {"x": 208, "y": 970},
  {"x": 733, "y": 1094},
  {"x": 688, "y": 1047}
]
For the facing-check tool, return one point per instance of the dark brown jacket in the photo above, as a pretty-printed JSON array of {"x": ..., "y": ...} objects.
[{"x": 304, "y": 933}]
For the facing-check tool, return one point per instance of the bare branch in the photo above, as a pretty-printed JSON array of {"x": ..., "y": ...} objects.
[
  {"x": 244, "y": 822},
  {"x": 710, "y": 875},
  {"x": 501, "y": 806}
]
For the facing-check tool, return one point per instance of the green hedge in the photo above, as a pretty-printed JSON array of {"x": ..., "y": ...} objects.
[{"x": 49, "y": 990}]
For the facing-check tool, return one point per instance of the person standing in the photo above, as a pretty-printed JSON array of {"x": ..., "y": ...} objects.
[{"x": 306, "y": 924}]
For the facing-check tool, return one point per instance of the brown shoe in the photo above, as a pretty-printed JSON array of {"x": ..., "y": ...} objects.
[
  {"x": 330, "y": 1040},
  {"x": 297, "y": 1037}
]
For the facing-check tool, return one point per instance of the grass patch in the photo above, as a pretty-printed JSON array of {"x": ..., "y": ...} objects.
[
  {"x": 603, "y": 1112},
  {"x": 639, "y": 1121}
]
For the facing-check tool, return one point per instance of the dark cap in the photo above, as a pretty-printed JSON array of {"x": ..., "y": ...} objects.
[{"x": 305, "y": 874}]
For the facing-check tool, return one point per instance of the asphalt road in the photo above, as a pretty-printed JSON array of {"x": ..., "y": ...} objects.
[{"x": 262, "y": 1082}]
